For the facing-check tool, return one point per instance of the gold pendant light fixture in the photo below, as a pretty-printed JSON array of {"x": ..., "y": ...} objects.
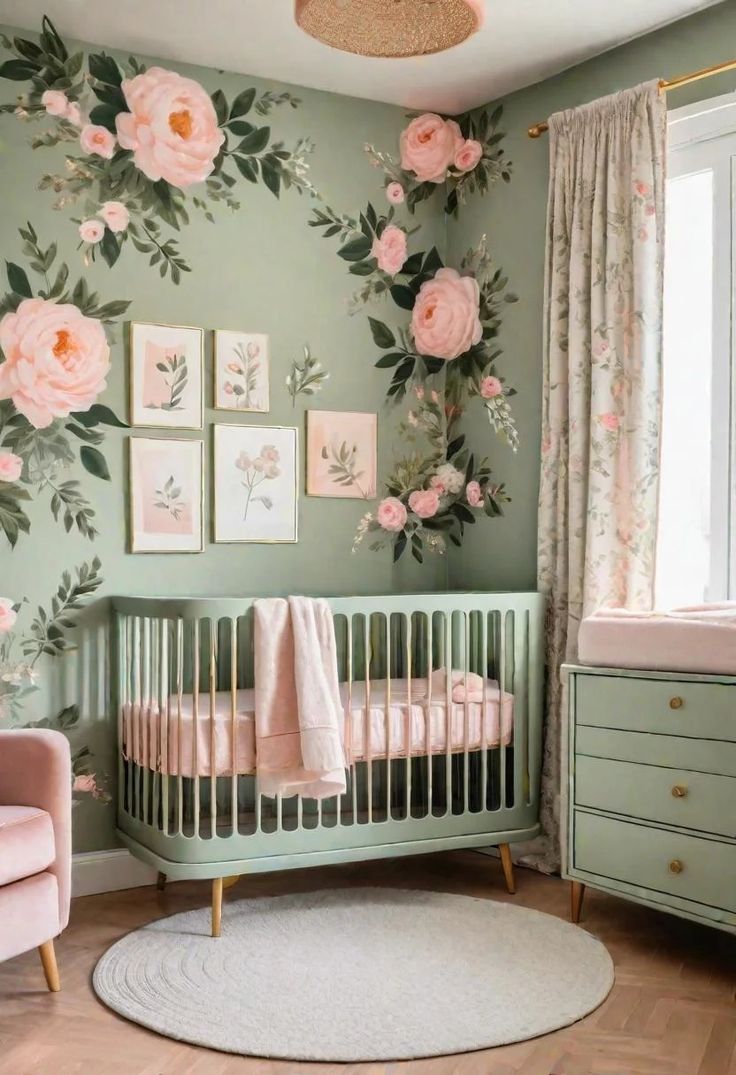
[{"x": 390, "y": 28}]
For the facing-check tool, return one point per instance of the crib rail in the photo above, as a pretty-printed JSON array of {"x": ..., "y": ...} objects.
[{"x": 429, "y": 769}]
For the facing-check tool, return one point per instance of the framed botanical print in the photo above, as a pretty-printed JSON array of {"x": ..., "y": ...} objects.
[
  {"x": 166, "y": 371},
  {"x": 166, "y": 495},
  {"x": 341, "y": 454},
  {"x": 255, "y": 483},
  {"x": 241, "y": 371}
]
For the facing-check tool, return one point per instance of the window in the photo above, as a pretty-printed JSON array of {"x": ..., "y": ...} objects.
[{"x": 696, "y": 551}]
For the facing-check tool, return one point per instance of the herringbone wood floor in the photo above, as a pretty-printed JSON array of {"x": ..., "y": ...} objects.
[{"x": 671, "y": 1012}]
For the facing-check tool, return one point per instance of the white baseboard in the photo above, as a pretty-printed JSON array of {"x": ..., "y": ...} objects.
[{"x": 108, "y": 871}]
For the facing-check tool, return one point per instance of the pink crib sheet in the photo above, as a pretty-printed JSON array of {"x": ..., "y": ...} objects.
[{"x": 155, "y": 743}]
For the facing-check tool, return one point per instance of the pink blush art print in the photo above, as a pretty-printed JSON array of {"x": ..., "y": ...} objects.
[
  {"x": 255, "y": 484},
  {"x": 166, "y": 478},
  {"x": 166, "y": 376},
  {"x": 341, "y": 454},
  {"x": 242, "y": 371}
]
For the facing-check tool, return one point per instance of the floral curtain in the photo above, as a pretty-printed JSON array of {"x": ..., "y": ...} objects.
[{"x": 602, "y": 383}]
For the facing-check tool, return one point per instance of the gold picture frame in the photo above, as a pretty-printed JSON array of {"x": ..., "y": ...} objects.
[
  {"x": 135, "y": 541},
  {"x": 240, "y": 344},
  {"x": 316, "y": 482},
  {"x": 225, "y": 483},
  {"x": 158, "y": 416}
]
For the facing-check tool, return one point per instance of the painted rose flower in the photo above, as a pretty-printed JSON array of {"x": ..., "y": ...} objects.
[
  {"x": 450, "y": 477},
  {"x": 171, "y": 127},
  {"x": 97, "y": 140},
  {"x": 11, "y": 467},
  {"x": 391, "y": 514},
  {"x": 86, "y": 783},
  {"x": 395, "y": 193},
  {"x": 253, "y": 350},
  {"x": 91, "y": 231},
  {"x": 609, "y": 421},
  {"x": 55, "y": 102},
  {"x": 390, "y": 250},
  {"x": 490, "y": 387},
  {"x": 56, "y": 360},
  {"x": 473, "y": 494},
  {"x": 74, "y": 114},
  {"x": 243, "y": 462},
  {"x": 445, "y": 321},
  {"x": 468, "y": 155},
  {"x": 642, "y": 188},
  {"x": 428, "y": 147},
  {"x": 424, "y": 502},
  {"x": 270, "y": 453},
  {"x": 8, "y": 615},
  {"x": 115, "y": 215}
]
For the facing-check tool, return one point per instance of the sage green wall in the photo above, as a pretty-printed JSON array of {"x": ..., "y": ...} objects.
[
  {"x": 504, "y": 556},
  {"x": 261, "y": 269}
]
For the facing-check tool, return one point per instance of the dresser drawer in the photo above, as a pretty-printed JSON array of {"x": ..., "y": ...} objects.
[
  {"x": 667, "y": 707},
  {"x": 646, "y": 857},
  {"x": 673, "y": 796},
  {"x": 669, "y": 751}
]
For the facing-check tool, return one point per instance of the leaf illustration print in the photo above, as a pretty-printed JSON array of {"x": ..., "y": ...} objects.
[
  {"x": 174, "y": 370},
  {"x": 169, "y": 499},
  {"x": 343, "y": 469},
  {"x": 246, "y": 367}
]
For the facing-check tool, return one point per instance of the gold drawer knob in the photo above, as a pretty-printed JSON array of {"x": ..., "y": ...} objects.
[
  {"x": 676, "y": 702},
  {"x": 679, "y": 791},
  {"x": 676, "y": 866}
]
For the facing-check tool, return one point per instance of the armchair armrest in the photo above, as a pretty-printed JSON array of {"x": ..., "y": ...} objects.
[{"x": 35, "y": 770}]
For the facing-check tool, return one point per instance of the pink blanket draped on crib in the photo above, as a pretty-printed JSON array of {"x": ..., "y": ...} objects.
[{"x": 299, "y": 726}]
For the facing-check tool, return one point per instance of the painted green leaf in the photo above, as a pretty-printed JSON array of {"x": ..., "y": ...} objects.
[
  {"x": 243, "y": 103},
  {"x": 94, "y": 462},
  {"x": 247, "y": 168},
  {"x": 104, "y": 69},
  {"x": 271, "y": 178},
  {"x": 18, "y": 280},
  {"x": 109, "y": 247},
  {"x": 403, "y": 296},
  {"x": 19, "y": 70},
  {"x": 219, "y": 103},
  {"x": 104, "y": 115},
  {"x": 255, "y": 142},
  {"x": 382, "y": 334},
  {"x": 356, "y": 250}
]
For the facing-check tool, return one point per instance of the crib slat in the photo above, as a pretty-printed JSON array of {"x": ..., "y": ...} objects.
[
  {"x": 521, "y": 709},
  {"x": 428, "y": 715},
  {"x": 408, "y": 718},
  {"x": 466, "y": 713},
  {"x": 387, "y": 715},
  {"x": 179, "y": 693},
  {"x": 367, "y": 738},
  {"x": 353, "y": 771},
  {"x": 195, "y": 723},
  {"x": 233, "y": 724},
  {"x": 504, "y": 619},
  {"x": 448, "y": 712},
  {"x": 213, "y": 728},
  {"x": 485, "y": 707},
  {"x": 163, "y": 753}
]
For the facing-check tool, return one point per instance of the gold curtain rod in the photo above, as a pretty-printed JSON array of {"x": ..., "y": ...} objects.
[{"x": 538, "y": 129}]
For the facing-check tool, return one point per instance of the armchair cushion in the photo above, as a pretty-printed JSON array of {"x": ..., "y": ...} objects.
[{"x": 26, "y": 842}]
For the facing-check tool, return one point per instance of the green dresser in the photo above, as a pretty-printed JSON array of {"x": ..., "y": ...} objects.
[{"x": 651, "y": 790}]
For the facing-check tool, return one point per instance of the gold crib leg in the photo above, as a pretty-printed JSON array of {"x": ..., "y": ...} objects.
[
  {"x": 216, "y": 906},
  {"x": 508, "y": 868},
  {"x": 161, "y": 881},
  {"x": 228, "y": 882},
  {"x": 577, "y": 891},
  {"x": 50, "y": 970}
]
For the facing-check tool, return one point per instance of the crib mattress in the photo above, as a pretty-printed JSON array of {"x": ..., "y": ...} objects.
[
  {"x": 694, "y": 639},
  {"x": 380, "y": 722}
]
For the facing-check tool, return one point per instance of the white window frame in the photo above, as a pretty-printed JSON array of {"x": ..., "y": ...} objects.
[{"x": 703, "y": 135}]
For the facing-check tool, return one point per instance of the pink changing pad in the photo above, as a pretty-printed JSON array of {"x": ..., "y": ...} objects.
[
  {"x": 152, "y": 742},
  {"x": 697, "y": 638}
]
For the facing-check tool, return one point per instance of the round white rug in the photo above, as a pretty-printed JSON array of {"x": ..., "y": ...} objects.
[{"x": 356, "y": 974}]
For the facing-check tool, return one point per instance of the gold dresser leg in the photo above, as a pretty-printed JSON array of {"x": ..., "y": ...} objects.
[
  {"x": 161, "y": 881},
  {"x": 508, "y": 867},
  {"x": 216, "y": 906},
  {"x": 577, "y": 891},
  {"x": 50, "y": 970}
]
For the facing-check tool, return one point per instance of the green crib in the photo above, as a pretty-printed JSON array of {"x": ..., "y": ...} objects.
[{"x": 429, "y": 772}]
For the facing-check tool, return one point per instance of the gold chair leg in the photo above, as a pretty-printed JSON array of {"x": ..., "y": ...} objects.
[
  {"x": 161, "y": 881},
  {"x": 508, "y": 868},
  {"x": 216, "y": 906},
  {"x": 50, "y": 970},
  {"x": 577, "y": 891}
]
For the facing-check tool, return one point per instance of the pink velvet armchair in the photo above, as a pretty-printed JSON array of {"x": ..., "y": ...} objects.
[{"x": 35, "y": 843}]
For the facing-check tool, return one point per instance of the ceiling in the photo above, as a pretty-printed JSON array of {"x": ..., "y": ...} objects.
[{"x": 522, "y": 41}]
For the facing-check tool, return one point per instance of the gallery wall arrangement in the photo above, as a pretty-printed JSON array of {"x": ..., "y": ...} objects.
[{"x": 195, "y": 396}]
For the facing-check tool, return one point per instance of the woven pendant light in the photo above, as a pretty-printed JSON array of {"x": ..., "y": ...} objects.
[{"x": 390, "y": 28}]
